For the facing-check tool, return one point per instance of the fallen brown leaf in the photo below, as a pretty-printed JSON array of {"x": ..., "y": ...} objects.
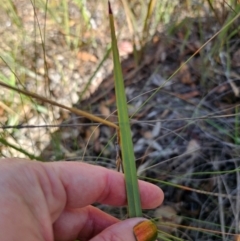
[
  {"x": 185, "y": 75},
  {"x": 87, "y": 57},
  {"x": 104, "y": 110},
  {"x": 189, "y": 95},
  {"x": 167, "y": 214}
]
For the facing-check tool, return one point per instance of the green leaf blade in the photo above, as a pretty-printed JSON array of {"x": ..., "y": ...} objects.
[{"x": 133, "y": 196}]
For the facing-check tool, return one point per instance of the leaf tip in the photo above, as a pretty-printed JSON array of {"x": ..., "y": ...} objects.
[{"x": 109, "y": 8}]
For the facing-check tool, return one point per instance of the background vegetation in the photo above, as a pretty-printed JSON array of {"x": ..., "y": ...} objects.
[{"x": 183, "y": 103}]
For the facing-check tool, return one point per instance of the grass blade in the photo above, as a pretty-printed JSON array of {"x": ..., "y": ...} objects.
[
  {"x": 134, "y": 205},
  {"x": 21, "y": 150},
  {"x": 54, "y": 103}
]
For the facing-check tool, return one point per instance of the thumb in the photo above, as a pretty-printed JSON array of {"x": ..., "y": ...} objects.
[{"x": 134, "y": 229}]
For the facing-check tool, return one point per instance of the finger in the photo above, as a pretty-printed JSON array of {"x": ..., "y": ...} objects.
[
  {"x": 85, "y": 184},
  {"x": 122, "y": 231},
  {"x": 88, "y": 222}
]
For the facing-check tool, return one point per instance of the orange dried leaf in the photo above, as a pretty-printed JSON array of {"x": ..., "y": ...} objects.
[
  {"x": 87, "y": 57},
  {"x": 185, "y": 75},
  {"x": 104, "y": 110}
]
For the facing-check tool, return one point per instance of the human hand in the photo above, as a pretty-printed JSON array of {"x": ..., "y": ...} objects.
[{"x": 52, "y": 201}]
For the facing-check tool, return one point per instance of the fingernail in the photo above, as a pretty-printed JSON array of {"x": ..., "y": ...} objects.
[{"x": 145, "y": 231}]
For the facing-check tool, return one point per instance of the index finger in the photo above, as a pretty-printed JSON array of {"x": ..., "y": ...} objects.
[{"x": 85, "y": 184}]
